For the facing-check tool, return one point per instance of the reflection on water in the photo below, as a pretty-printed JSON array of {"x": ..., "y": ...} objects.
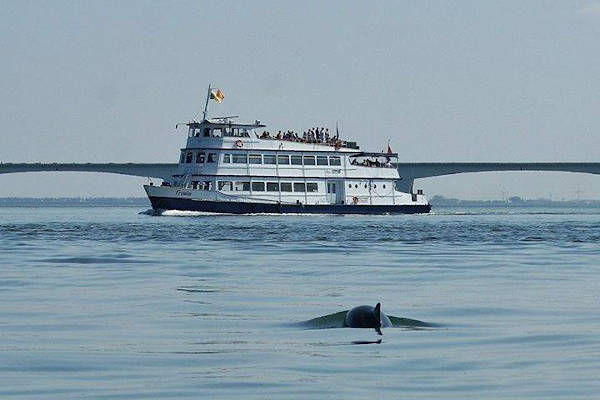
[{"x": 109, "y": 303}]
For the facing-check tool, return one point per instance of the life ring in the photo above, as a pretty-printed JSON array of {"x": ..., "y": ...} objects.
[
  {"x": 239, "y": 143},
  {"x": 355, "y": 200}
]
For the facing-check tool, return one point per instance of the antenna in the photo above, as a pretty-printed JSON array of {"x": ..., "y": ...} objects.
[{"x": 207, "y": 100}]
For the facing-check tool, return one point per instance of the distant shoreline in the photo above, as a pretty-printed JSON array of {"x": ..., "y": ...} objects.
[
  {"x": 515, "y": 201},
  {"x": 436, "y": 201},
  {"x": 74, "y": 202}
]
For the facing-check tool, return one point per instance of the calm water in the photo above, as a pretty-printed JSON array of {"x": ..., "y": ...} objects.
[{"x": 108, "y": 303}]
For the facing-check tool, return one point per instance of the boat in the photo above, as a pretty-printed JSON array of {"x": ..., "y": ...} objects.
[{"x": 234, "y": 168}]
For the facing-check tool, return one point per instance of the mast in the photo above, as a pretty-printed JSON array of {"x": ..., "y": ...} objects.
[{"x": 207, "y": 100}]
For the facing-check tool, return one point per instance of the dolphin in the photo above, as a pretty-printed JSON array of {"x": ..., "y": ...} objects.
[{"x": 367, "y": 317}]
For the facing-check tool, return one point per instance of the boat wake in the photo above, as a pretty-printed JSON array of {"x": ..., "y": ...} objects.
[{"x": 177, "y": 213}]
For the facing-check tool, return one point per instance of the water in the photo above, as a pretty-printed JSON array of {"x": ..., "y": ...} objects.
[{"x": 106, "y": 303}]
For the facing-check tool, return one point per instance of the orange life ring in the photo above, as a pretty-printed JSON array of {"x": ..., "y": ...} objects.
[
  {"x": 239, "y": 143},
  {"x": 355, "y": 200}
]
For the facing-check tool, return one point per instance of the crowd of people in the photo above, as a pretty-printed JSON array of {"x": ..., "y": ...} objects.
[
  {"x": 372, "y": 163},
  {"x": 313, "y": 135}
]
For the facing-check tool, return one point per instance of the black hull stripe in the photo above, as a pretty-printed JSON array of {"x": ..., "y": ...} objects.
[{"x": 167, "y": 203}]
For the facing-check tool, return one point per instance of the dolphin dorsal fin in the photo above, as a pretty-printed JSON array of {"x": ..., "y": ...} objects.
[{"x": 377, "y": 312}]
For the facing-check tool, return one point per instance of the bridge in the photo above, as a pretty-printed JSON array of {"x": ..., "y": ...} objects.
[
  {"x": 408, "y": 171},
  {"x": 411, "y": 171},
  {"x": 162, "y": 171}
]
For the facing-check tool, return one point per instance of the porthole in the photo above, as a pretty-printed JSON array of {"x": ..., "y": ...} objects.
[
  {"x": 365, "y": 185},
  {"x": 356, "y": 186},
  {"x": 350, "y": 186},
  {"x": 374, "y": 186},
  {"x": 384, "y": 185}
]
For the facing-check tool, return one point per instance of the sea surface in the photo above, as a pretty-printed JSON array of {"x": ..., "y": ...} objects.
[{"x": 114, "y": 303}]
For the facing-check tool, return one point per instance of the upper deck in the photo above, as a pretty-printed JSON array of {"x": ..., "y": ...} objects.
[{"x": 222, "y": 133}]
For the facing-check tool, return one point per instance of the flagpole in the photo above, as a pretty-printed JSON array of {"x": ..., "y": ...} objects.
[{"x": 207, "y": 99}]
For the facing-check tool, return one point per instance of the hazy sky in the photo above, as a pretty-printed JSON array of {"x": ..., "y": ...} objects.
[{"x": 443, "y": 80}]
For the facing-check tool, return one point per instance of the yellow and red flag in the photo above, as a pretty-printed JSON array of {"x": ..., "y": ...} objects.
[{"x": 217, "y": 95}]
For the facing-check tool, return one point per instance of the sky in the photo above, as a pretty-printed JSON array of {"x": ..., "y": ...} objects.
[{"x": 444, "y": 81}]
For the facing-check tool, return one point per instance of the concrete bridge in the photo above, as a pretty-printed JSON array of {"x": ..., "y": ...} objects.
[
  {"x": 408, "y": 171},
  {"x": 162, "y": 171},
  {"x": 411, "y": 171}
]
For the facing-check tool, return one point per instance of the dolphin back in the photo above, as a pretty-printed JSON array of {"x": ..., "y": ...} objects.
[{"x": 367, "y": 317}]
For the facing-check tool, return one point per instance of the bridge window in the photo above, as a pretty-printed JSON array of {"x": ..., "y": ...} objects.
[
  {"x": 334, "y": 160},
  {"x": 321, "y": 160},
  {"x": 309, "y": 160},
  {"x": 286, "y": 186},
  {"x": 272, "y": 187},
  {"x": 241, "y": 186},
  {"x": 255, "y": 159},
  {"x": 188, "y": 157},
  {"x": 226, "y": 158},
  {"x": 299, "y": 187},
  {"x": 283, "y": 159},
  {"x": 258, "y": 186},
  {"x": 296, "y": 160},
  {"x": 206, "y": 132},
  {"x": 270, "y": 159},
  {"x": 312, "y": 187},
  {"x": 212, "y": 157},
  {"x": 225, "y": 185},
  {"x": 216, "y": 132},
  {"x": 239, "y": 158},
  {"x": 200, "y": 157}
]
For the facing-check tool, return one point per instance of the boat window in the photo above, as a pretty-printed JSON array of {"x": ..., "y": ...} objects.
[
  {"x": 309, "y": 160},
  {"x": 200, "y": 157},
  {"x": 225, "y": 185},
  {"x": 270, "y": 159},
  {"x": 212, "y": 157},
  {"x": 182, "y": 158},
  {"x": 226, "y": 158},
  {"x": 217, "y": 132},
  {"x": 350, "y": 186},
  {"x": 206, "y": 185},
  {"x": 258, "y": 186},
  {"x": 356, "y": 186},
  {"x": 235, "y": 132},
  {"x": 272, "y": 187},
  {"x": 365, "y": 185},
  {"x": 241, "y": 186},
  {"x": 283, "y": 159},
  {"x": 255, "y": 159},
  {"x": 374, "y": 186},
  {"x": 206, "y": 132},
  {"x": 286, "y": 186},
  {"x": 299, "y": 187},
  {"x": 384, "y": 185},
  {"x": 296, "y": 160},
  {"x": 334, "y": 160},
  {"x": 188, "y": 157},
  {"x": 312, "y": 187},
  {"x": 239, "y": 158},
  {"x": 322, "y": 160}
]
